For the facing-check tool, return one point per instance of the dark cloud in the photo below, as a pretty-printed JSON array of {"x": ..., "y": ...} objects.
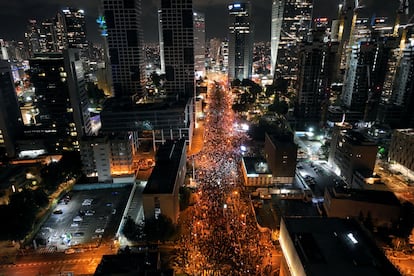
[{"x": 15, "y": 13}]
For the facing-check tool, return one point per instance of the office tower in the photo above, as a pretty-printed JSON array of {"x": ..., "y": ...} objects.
[
  {"x": 32, "y": 36},
  {"x": 3, "y": 50},
  {"x": 364, "y": 78},
  {"x": 287, "y": 32},
  {"x": 71, "y": 23},
  {"x": 240, "y": 40},
  {"x": 60, "y": 98},
  {"x": 199, "y": 44},
  {"x": 125, "y": 47},
  {"x": 48, "y": 36},
  {"x": 396, "y": 107},
  {"x": 177, "y": 27},
  {"x": 161, "y": 40},
  {"x": 315, "y": 65},
  {"x": 10, "y": 116},
  {"x": 276, "y": 28}
]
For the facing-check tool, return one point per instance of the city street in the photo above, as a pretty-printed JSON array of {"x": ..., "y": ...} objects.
[{"x": 220, "y": 234}]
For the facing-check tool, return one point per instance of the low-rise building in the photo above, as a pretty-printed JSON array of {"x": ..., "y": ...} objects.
[
  {"x": 381, "y": 207},
  {"x": 256, "y": 172},
  {"x": 281, "y": 155},
  {"x": 351, "y": 151},
  {"x": 160, "y": 195},
  {"x": 329, "y": 246},
  {"x": 401, "y": 149}
]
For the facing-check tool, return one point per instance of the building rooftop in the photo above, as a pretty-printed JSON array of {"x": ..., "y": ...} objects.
[
  {"x": 162, "y": 178},
  {"x": 371, "y": 196},
  {"x": 357, "y": 138},
  {"x": 138, "y": 264},
  {"x": 256, "y": 165},
  {"x": 407, "y": 131},
  {"x": 333, "y": 246}
]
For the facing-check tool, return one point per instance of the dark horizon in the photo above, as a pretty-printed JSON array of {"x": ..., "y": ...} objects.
[{"x": 15, "y": 15}]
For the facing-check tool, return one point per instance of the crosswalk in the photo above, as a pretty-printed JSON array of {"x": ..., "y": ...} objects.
[{"x": 46, "y": 250}]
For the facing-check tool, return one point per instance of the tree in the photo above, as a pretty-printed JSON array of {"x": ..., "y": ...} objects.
[
  {"x": 161, "y": 228},
  {"x": 130, "y": 229},
  {"x": 278, "y": 106}
]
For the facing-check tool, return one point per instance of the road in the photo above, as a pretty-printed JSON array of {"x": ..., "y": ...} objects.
[{"x": 220, "y": 235}]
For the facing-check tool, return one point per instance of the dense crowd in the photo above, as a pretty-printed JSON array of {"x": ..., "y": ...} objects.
[{"x": 223, "y": 238}]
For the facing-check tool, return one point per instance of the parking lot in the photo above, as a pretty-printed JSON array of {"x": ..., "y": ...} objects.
[{"x": 84, "y": 218}]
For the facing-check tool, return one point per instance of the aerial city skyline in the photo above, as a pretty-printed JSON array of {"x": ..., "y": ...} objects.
[
  {"x": 18, "y": 13},
  {"x": 190, "y": 137}
]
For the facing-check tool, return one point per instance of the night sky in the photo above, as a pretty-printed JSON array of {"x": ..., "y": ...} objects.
[{"x": 15, "y": 13}]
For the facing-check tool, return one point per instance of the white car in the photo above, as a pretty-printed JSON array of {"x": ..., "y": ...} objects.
[
  {"x": 77, "y": 219},
  {"x": 99, "y": 230},
  {"x": 74, "y": 224},
  {"x": 87, "y": 202}
]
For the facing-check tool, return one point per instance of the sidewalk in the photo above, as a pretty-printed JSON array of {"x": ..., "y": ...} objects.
[{"x": 198, "y": 140}]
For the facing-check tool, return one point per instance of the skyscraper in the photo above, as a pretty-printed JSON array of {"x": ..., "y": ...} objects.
[
  {"x": 177, "y": 26},
  {"x": 276, "y": 28},
  {"x": 364, "y": 77},
  {"x": 61, "y": 99},
  {"x": 73, "y": 24},
  {"x": 125, "y": 46},
  {"x": 395, "y": 108},
  {"x": 240, "y": 40},
  {"x": 199, "y": 44},
  {"x": 316, "y": 62},
  {"x": 287, "y": 32},
  {"x": 10, "y": 116}
]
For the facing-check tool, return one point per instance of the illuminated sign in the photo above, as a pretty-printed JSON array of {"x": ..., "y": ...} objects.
[{"x": 102, "y": 25}]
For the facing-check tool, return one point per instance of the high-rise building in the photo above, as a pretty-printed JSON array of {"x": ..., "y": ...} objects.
[
  {"x": 72, "y": 22},
  {"x": 240, "y": 40},
  {"x": 395, "y": 108},
  {"x": 365, "y": 76},
  {"x": 316, "y": 62},
  {"x": 125, "y": 47},
  {"x": 49, "y": 42},
  {"x": 199, "y": 44},
  {"x": 32, "y": 36},
  {"x": 10, "y": 116},
  {"x": 177, "y": 26},
  {"x": 291, "y": 21},
  {"x": 60, "y": 99},
  {"x": 276, "y": 28}
]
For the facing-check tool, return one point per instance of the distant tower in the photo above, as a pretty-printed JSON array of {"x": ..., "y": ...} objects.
[
  {"x": 73, "y": 25},
  {"x": 291, "y": 21},
  {"x": 125, "y": 46},
  {"x": 162, "y": 62},
  {"x": 240, "y": 40},
  {"x": 199, "y": 44},
  {"x": 177, "y": 25},
  {"x": 10, "y": 116},
  {"x": 32, "y": 37},
  {"x": 276, "y": 28}
]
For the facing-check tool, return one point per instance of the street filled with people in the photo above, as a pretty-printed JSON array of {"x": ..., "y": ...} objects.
[{"x": 220, "y": 234}]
